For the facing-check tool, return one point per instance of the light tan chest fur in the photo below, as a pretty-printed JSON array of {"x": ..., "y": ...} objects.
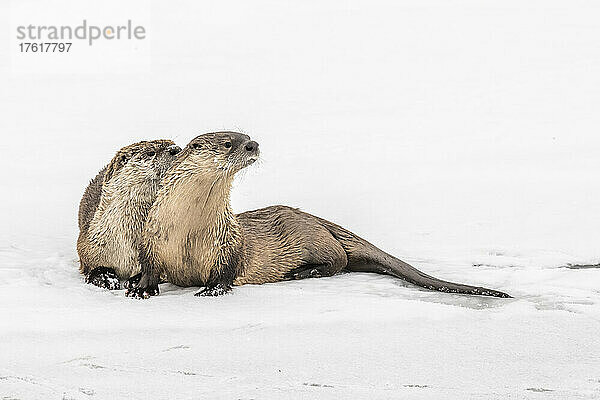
[{"x": 190, "y": 232}]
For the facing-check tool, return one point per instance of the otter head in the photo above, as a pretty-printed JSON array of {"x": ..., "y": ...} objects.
[
  {"x": 143, "y": 160},
  {"x": 221, "y": 152}
]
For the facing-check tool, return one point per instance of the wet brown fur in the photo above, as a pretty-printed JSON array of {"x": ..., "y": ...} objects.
[
  {"x": 194, "y": 238},
  {"x": 114, "y": 207}
]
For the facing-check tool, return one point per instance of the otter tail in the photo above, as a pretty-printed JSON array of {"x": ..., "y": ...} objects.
[{"x": 364, "y": 257}]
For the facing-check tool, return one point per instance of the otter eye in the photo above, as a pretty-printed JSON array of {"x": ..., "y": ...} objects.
[
  {"x": 150, "y": 153},
  {"x": 228, "y": 144},
  {"x": 196, "y": 145}
]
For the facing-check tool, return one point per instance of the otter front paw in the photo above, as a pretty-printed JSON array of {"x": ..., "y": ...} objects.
[
  {"x": 103, "y": 277},
  {"x": 141, "y": 292},
  {"x": 217, "y": 290},
  {"x": 133, "y": 281}
]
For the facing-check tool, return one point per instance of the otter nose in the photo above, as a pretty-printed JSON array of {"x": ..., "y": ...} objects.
[
  {"x": 174, "y": 150},
  {"x": 251, "y": 146}
]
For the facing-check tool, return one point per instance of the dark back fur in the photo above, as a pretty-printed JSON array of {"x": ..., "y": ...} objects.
[{"x": 90, "y": 200}]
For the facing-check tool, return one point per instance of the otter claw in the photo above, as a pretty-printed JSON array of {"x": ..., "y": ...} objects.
[{"x": 217, "y": 290}]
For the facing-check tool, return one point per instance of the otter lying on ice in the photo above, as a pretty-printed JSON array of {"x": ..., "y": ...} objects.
[{"x": 193, "y": 237}]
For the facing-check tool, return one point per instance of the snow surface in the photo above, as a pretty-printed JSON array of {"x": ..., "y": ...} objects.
[{"x": 459, "y": 136}]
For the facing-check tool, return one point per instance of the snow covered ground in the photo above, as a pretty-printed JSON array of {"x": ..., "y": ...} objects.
[{"x": 461, "y": 137}]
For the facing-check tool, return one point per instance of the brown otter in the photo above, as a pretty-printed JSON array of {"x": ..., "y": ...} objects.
[
  {"x": 193, "y": 236},
  {"x": 113, "y": 210}
]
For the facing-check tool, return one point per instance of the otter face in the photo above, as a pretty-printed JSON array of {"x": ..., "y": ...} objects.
[
  {"x": 143, "y": 160},
  {"x": 155, "y": 158},
  {"x": 228, "y": 152}
]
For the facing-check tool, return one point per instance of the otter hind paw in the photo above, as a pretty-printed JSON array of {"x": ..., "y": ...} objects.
[
  {"x": 142, "y": 293},
  {"x": 217, "y": 290},
  {"x": 104, "y": 277},
  {"x": 308, "y": 271}
]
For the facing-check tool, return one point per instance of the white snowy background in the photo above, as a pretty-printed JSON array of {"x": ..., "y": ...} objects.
[{"x": 460, "y": 136}]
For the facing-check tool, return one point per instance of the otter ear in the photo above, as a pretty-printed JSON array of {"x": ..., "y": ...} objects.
[{"x": 118, "y": 162}]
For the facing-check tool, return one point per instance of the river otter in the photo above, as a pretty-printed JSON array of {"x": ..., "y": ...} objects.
[
  {"x": 113, "y": 210},
  {"x": 193, "y": 236}
]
